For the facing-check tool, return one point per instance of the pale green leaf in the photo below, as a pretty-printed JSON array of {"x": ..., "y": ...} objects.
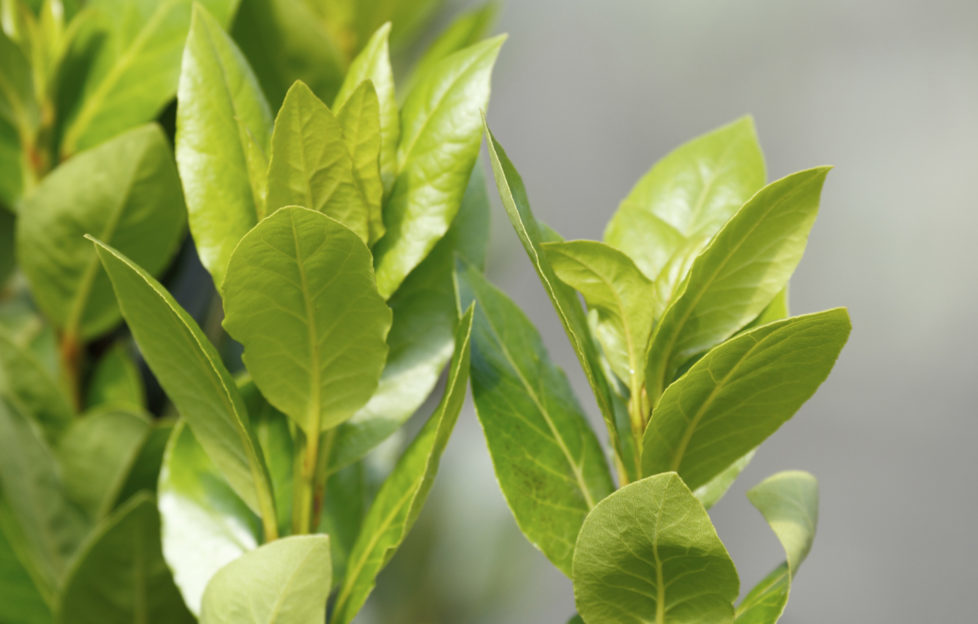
[
  {"x": 402, "y": 495},
  {"x": 115, "y": 381},
  {"x": 300, "y": 296},
  {"x": 440, "y": 137},
  {"x": 738, "y": 274},
  {"x": 220, "y": 111},
  {"x": 119, "y": 575},
  {"x": 96, "y": 453},
  {"x": 204, "y": 524},
  {"x": 360, "y": 118},
  {"x": 189, "y": 369},
  {"x": 739, "y": 393},
  {"x": 548, "y": 461},
  {"x": 373, "y": 64},
  {"x": 135, "y": 67},
  {"x": 27, "y": 386},
  {"x": 310, "y": 165},
  {"x": 620, "y": 294},
  {"x": 688, "y": 194},
  {"x": 126, "y": 192},
  {"x": 789, "y": 502},
  {"x": 648, "y": 554},
  {"x": 713, "y": 490},
  {"x": 565, "y": 301},
  {"x": 284, "y": 582}
]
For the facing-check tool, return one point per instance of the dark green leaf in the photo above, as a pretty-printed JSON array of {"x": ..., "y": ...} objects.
[
  {"x": 116, "y": 381},
  {"x": 26, "y": 385},
  {"x": 548, "y": 461},
  {"x": 20, "y": 599}
]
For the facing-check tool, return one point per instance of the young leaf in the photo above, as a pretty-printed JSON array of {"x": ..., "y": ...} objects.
[
  {"x": 548, "y": 461},
  {"x": 739, "y": 393},
  {"x": 116, "y": 381},
  {"x": 789, "y": 502},
  {"x": 402, "y": 495},
  {"x": 713, "y": 490},
  {"x": 300, "y": 296},
  {"x": 373, "y": 64},
  {"x": 440, "y": 137},
  {"x": 135, "y": 68},
  {"x": 204, "y": 524},
  {"x": 189, "y": 369},
  {"x": 745, "y": 265},
  {"x": 360, "y": 119},
  {"x": 564, "y": 299},
  {"x": 126, "y": 192},
  {"x": 310, "y": 165},
  {"x": 620, "y": 294},
  {"x": 284, "y": 582},
  {"x": 119, "y": 575},
  {"x": 95, "y": 455},
  {"x": 648, "y": 554},
  {"x": 28, "y": 387},
  {"x": 688, "y": 194},
  {"x": 220, "y": 111}
]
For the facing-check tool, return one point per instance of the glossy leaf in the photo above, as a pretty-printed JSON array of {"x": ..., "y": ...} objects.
[
  {"x": 135, "y": 67},
  {"x": 300, "y": 296},
  {"x": 620, "y": 294},
  {"x": 688, "y": 194},
  {"x": 360, "y": 119},
  {"x": 284, "y": 582},
  {"x": 513, "y": 194},
  {"x": 648, "y": 554},
  {"x": 421, "y": 337},
  {"x": 116, "y": 381},
  {"x": 548, "y": 461},
  {"x": 311, "y": 166},
  {"x": 220, "y": 112},
  {"x": 789, "y": 502},
  {"x": 204, "y": 524},
  {"x": 119, "y": 575},
  {"x": 731, "y": 282},
  {"x": 402, "y": 495},
  {"x": 373, "y": 64},
  {"x": 126, "y": 192},
  {"x": 739, "y": 393},
  {"x": 96, "y": 454},
  {"x": 189, "y": 369},
  {"x": 440, "y": 137},
  {"x": 27, "y": 386}
]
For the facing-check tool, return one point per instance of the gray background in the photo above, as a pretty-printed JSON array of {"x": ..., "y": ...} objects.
[{"x": 587, "y": 95}]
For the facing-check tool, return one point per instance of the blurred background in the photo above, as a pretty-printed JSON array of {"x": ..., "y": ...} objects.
[{"x": 586, "y": 97}]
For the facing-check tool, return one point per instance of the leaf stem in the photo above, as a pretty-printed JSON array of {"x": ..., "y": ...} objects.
[
  {"x": 69, "y": 350},
  {"x": 322, "y": 476},
  {"x": 305, "y": 484}
]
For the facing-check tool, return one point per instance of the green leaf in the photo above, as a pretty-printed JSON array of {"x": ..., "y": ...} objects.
[
  {"x": 402, "y": 495},
  {"x": 687, "y": 195},
  {"x": 739, "y": 393},
  {"x": 373, "y": 64},
  {"x": 127, "y": 193},
  {"x": 440, "y": 137},
  {"x": 119, "y": 575},
  {"x": 189, "y": 369},
  {"x": 648, "y": 554},
  {"x": 51, "y": 526},
  {"x": 620, "y": 294},
  {"x": 466, "y": 30},
  {"x": 421, "y": 337},
  {"x": 26, "y": 385},
  {"x": 116, "y": 381},
  {"x": 731, "y": 282},
  {"x": 789, "y": 502},
  {"x": 565, "y": 301},
  {"x": 220, "y": 112},
  {"x": 548, "y": 461},
  {"x": 344, "y": 508},
  {"x": 360, "y": 119},
  {"x": 204, "y": 524},
  {"x": 310, "y": 164},
  {"x": 20, "y": 599},
  {"x": 713, "y": 490},
  {"x": 96, "y": 454},
  {"x": 135, "y": 68},
  {"x": 300, "y": 296},
  {"x": 19, "y": 118},
  {"x": 286, "y": 582},
  {"x": 144, "y": 473}
]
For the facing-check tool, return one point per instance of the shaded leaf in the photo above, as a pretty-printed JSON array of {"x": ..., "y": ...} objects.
[
  {"x": 27, "y": 386},
  {"x": 20, "y": 599},
  {"x": 115, "y": 381}
]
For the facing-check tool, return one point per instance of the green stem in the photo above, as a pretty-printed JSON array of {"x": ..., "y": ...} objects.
[
  {"x": 322, "y": 476},
  {"x": 69, "y": 351},
  {"x": 305, "y": 484}
]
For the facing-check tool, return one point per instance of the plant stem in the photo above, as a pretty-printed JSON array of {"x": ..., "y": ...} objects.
[
  {"x": 305, "y": 484},
  {"x": 69, "y": 351}
]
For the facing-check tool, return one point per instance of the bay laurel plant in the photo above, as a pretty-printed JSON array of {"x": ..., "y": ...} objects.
[
  {"x": 374, "y": 198},
  {"x": 694, "y": 361}
]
